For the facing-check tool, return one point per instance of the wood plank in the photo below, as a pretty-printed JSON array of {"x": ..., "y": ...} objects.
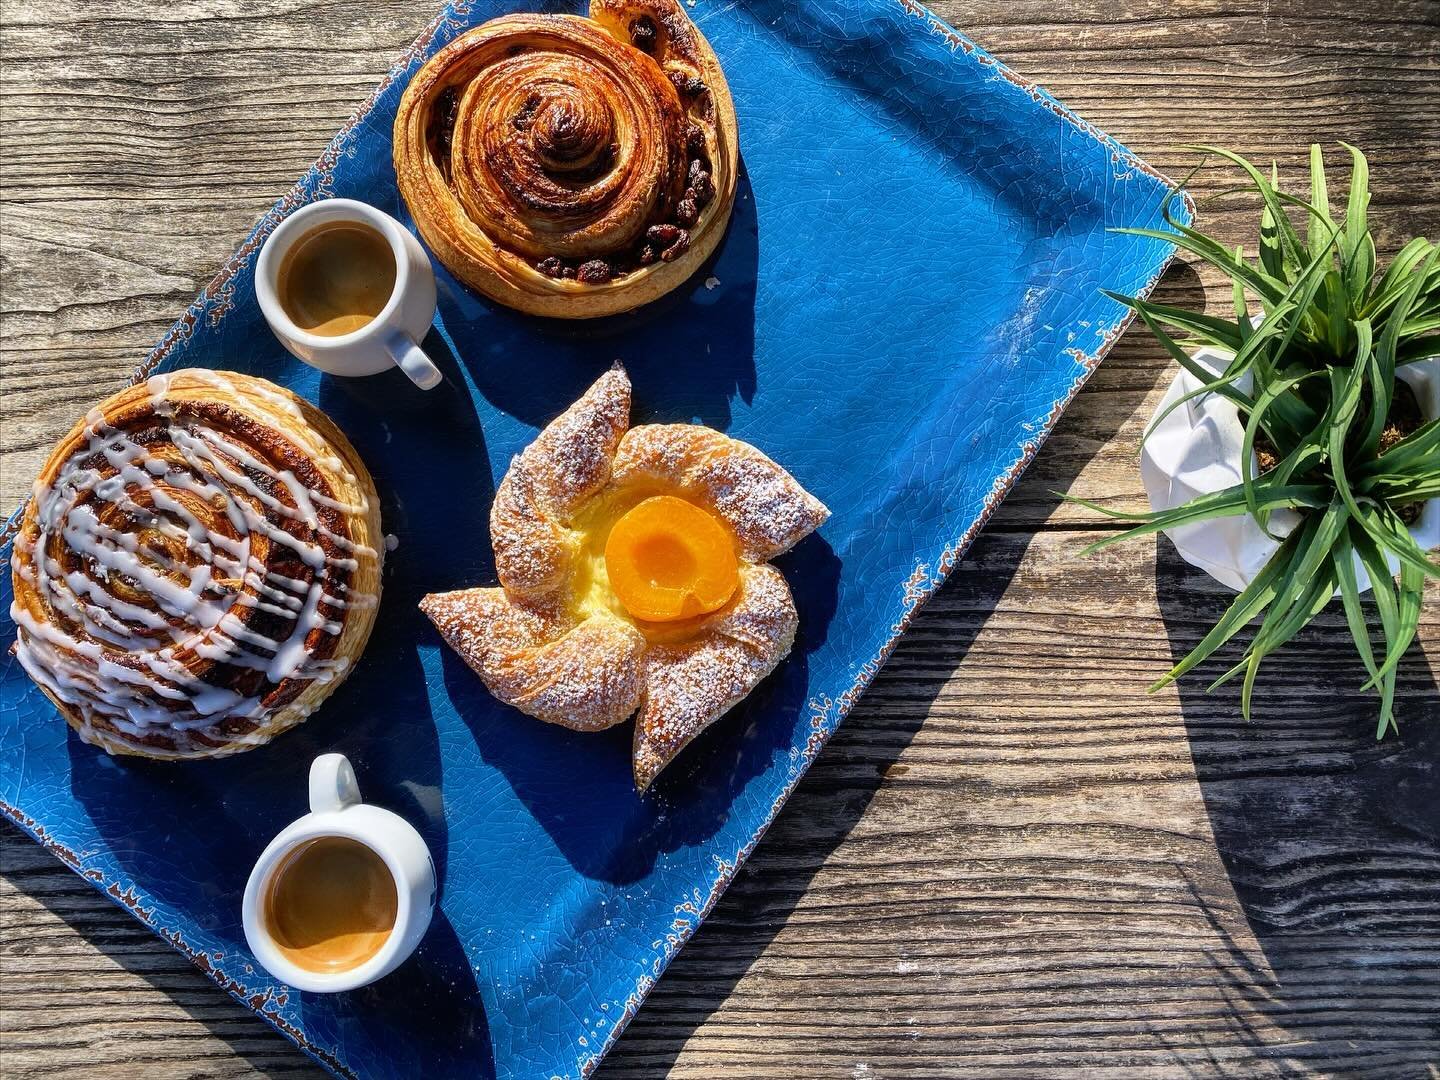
[{"x": 1011, "y": 860}]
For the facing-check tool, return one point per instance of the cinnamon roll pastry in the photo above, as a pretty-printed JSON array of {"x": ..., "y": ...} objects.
[
  {"x": 198, "y": 567},
  {"x": 571, "y": 167},
  {"x": 633, "y": 576}
]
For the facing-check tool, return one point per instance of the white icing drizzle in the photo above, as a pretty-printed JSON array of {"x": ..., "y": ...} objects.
[{"x": 140, "y": 601}]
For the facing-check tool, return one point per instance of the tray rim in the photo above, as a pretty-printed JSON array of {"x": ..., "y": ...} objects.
[{"x": 216, "y": 299}]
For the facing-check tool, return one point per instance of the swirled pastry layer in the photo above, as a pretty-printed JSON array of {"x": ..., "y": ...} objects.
[
  {"x": 198, "y": 567},
  {"x": 571, "y": 167}
]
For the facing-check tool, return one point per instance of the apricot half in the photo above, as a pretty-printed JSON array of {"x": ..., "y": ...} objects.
[{"x": 667, "y": 559}]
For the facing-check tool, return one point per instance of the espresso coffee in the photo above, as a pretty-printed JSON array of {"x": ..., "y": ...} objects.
[
  {"x": 336, "y": 278},
  {"x": 331, "y": 904}
]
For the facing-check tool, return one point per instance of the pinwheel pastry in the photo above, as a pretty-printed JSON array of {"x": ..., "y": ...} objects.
[
  {"x": 568, "y": 166},
  {"x": 633, "y": 576},
  {"x": 198, "y": 566}
]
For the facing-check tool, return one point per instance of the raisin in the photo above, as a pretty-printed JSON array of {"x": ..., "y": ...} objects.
[
  {"x": 567, "y": 272},
  {"x": 551, "y": 267},
  {"x": 649, "y": 254},
  {"x": 687, "y": 210},
  {"x": 643, "y": 33},
  {"x": 594, "y": 272},
  {"x": 685, "y": 85},
  {"x": 664, "y": 235},
  {"x": 700, "y": 182},
  {"x": 694, "y": 140},
  {"x": 678, "y": 248}
]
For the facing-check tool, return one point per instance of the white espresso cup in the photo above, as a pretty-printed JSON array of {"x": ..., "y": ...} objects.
[
  {"x": 336, "y": 811},
  {"x": 393, "y": 336}
]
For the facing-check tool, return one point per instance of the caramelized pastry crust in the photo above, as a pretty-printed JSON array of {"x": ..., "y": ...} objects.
[
  {"x": 198, "y": 567},
  {"x": 556, "y": 641},
  {"x": 571, "y": 167}
]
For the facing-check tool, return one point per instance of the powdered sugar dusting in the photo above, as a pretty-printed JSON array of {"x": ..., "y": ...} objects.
[
  {"x": 529, "y": 641},
  {"x": 536, "y": 657},
  {"x": 565, "y": 467},
  {"x": 688, "y": 687},
  {"x": 765, "y": 506}
]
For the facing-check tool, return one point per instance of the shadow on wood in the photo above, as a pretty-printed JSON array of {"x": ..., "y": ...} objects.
[
  {"x": 130, "y": 946},
  {"x": 863, "y": 754},
  {"x": 1331, "y": 841}
]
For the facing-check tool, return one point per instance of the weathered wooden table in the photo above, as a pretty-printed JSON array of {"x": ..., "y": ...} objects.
[{"x": 1011, "y": 861}]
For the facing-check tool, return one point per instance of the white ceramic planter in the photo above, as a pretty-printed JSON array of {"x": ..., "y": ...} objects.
[{"x": 1196, "y": 450}]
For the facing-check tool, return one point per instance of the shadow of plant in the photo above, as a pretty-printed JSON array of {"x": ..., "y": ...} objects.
[
  {"x": 1330, "y": 839},
  {"x": 862, "y": 756}
]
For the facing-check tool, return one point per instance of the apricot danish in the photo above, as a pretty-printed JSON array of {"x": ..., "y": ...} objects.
[{"x": 633, "y": 576}]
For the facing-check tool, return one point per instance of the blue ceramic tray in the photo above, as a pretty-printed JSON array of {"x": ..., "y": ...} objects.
[{"x": 906, "y": 299}]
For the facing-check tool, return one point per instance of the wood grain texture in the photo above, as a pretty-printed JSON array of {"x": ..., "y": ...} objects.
[{"x": 1011, "y": 861}]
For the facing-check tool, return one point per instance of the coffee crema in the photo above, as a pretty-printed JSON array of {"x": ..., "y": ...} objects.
[
  {"x": 331, "y": 904},
  {"x": 336, "y": 278}
]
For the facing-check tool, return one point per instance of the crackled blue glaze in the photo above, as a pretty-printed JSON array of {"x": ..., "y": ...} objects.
[{"x": 906, "y": 298}]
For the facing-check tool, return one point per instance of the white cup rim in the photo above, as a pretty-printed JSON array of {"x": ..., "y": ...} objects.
[
  {"x": 320, "y": 826},
  {"x": 284, "y": 236}
]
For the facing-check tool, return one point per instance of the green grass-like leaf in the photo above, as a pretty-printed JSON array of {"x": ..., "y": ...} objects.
[{"x": 1320, "y": 371}]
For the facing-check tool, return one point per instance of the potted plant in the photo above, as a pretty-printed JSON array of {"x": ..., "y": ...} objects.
[{"x": 1297, "y": 456}]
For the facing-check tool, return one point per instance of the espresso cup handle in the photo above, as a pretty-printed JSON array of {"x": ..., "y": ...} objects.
[
  {"x": 413, "y": 361},
  {"x": 332, "y": 784}
]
